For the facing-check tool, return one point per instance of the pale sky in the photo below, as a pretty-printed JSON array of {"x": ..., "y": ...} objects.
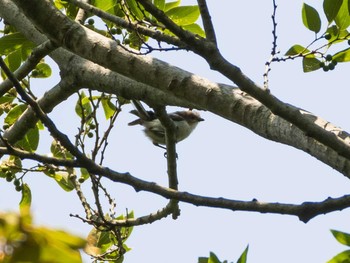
[{"x": 223, "y": 159}]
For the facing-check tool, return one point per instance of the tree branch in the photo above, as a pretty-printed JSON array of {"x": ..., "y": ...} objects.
[
  {"x": 207, "y": 22},
  {"x": 177, "y": 86}
]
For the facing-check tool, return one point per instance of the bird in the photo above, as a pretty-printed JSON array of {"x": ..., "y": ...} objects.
[{"x": 185, "y": 122}]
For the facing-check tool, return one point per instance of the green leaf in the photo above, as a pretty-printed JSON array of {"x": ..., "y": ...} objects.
[
  {"x": 30, "y": 141},
  {"x": 63, "y": 180},
  {"x": 343, "y": 257},
  {"x": 108, "y": 107},
  {"x": 12, "y": 42},
  {"x": 213, "y": 258},
  {"x": 14, "y": 60},
  {"x": 342, "y": 19},
  {"x": 243, "y": 257},
  {"x": 202, "y": 260},
  {"x": 171, "y": 5},
  {"x": 15, "y": 113},
  {"x": 104, "y": 5},
  {"x": 160, "y": 4},
  {"x": 195, "y": 29},
  {"x": 184, "y": 15},
  {"x": 43, "y": 71},
  {"x": 59, "y": 151},
  {"x": 311, "y": 64},
  {"x": 83, "y": 107},
  {"x": 342, "y": 56},
  {"x": 297, "y": 50},
  {"x": 135, "y": 9},
  {"x": 331, "y": 8},
  {"x": 343, "y": 238},
  {"x": 26, "y": 198},
  {"x": 311, "y": 18}
]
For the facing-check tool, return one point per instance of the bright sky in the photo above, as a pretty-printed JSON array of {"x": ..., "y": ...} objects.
[{"x": 224, "y": 159}]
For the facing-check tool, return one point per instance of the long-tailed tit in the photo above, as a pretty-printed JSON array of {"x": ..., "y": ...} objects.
[{"x": 185, "y": 122}]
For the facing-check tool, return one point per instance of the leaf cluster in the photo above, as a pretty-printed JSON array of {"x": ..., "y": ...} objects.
[{"x": 316, "y": 57}]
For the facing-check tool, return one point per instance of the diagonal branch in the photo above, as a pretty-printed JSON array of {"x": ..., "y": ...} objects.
[{"x": 207, "y": 22}]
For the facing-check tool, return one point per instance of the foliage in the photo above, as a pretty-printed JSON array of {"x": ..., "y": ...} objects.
[
  {"x": 21, "y": 241},
  {"x": 316, "y": 54},
  {"x": 214, "y": 259},
  {"x": 342, "y": 238},
  {"x": 134, "y": 27}
]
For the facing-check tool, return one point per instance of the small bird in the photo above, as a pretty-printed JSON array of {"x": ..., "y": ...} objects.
[{"x": 185, "y": 122}]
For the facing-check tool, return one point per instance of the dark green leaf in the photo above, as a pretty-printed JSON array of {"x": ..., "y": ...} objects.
[
  {"x": 184, "y": 15},
  {"x": 311, "y": 64},
  {"x": 30, "y": 141},
  {"x": 342, "y": 56},
  {"x": 202, "y": 260},
  {"x": 331, "y": 8},
  {"x": 343, "y": 238},
  {"x": 343, "y": 257},
  {"x": 243, "y": 257},
  {"x": 14, "y": 113},
  {"x": 297, "y": 50},
  {"x": 311, "y": 18},
  {"x": 342, "y": 19}
]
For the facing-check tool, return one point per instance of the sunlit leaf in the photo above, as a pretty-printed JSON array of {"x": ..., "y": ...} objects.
[
  {"x": 171, "y": 5},
  {"x": 43, "y": 70},
  {"x": 14, "y": 113},
  {"x": 60, "y": 152},
  {"x": 63, "y": 180},
  {"x": 135, "y": 9},
  {"x": 104, "y": 5},
  {"x": 83, "y": 107},
  {"x": 14, "y": 59},
  {"x": 184, "y": 15},
  {"x": 108, "y": 107},
  {"x": 297, "y": 50},
  {"x": 342, "y": 56},
  {"x": 343, "y": 18},
  {"x": 195, "y": 29},
  {"x": 311, "y": 18},
  {"x": 341, "y": 237},
  {"x": 160, "y": 4},
  {"x": 331, "y": 8},
  {"x": 243, "y": 257},
  {"x": 343, "y": 257},
  {"x": 12, "y": 42},
  {"x": 213, "y": 258}
]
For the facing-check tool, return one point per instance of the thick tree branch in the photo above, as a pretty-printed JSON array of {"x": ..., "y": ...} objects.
[
  {"x": 172, "y": 82},
  {"x": 157, "y": 35}
]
